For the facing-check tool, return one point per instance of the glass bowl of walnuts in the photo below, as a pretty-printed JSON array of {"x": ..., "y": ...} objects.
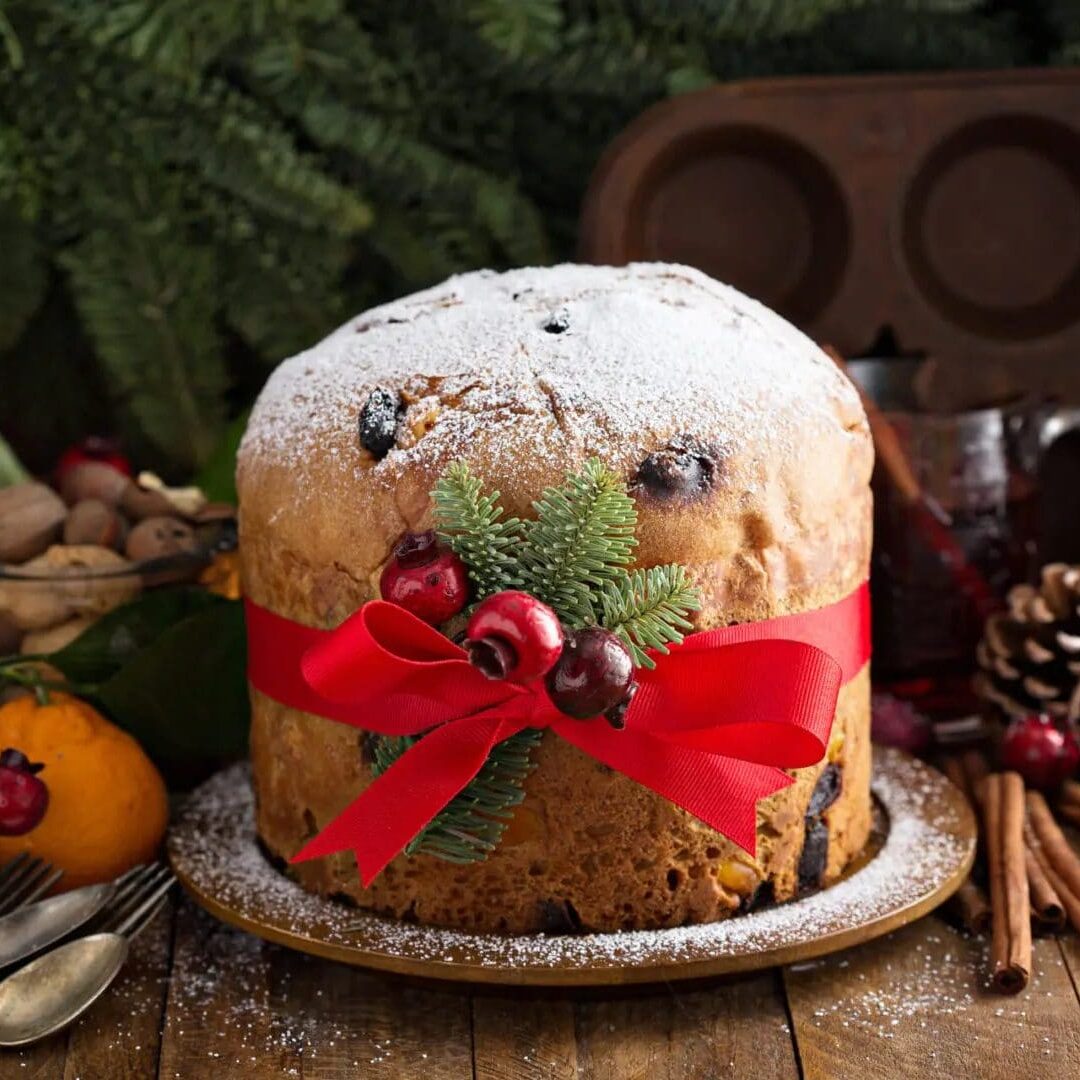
[{"x": 72, "y": 552}]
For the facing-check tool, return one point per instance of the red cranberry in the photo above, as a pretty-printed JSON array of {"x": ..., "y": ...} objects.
[
  {"x": 616, "y": 715},
  {"x": 425, "y": 578},
  {"x": 593, "y": 674},
  {"x": 514, "y": 636},
  {"x": 24, "y": 798},
  {"x": 1041, "y": 752}
]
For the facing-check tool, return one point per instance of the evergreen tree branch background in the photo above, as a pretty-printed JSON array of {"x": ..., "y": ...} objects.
[{"x": 191, "y": 190}]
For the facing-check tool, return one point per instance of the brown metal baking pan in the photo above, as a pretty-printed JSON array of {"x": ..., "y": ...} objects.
[{"x": 945, "y": 207}]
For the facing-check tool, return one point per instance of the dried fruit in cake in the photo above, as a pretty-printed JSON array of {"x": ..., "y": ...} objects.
[
  {"x": 826, "y": 791},
  {"x": 683, "y": 470},
  {"x": 378, "y": 421},
  {"x": 815, "y": 854},
  {"x": 593, "y": 673},
  {"x": 514, "y": 636},
  {"x": 426, "y": 578},
  {"x": 558, "y": 322}
]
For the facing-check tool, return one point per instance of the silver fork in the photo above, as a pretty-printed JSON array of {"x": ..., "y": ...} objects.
[
  {"x": 58, "y": 987},
  {"x": 33, "y": 927},
  {"x": 24, "y": 880}
]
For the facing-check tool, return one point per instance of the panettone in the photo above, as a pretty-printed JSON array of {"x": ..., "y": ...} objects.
[{"x": 749, "y": 459}]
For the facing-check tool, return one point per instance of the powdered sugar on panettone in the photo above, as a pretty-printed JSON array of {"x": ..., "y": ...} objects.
[
  {"x": 611, "y": 353},
  {"x": 213, "y": 846}
]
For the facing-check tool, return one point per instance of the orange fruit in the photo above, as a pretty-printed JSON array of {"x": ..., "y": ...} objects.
[{"x": 108, "y": 807}]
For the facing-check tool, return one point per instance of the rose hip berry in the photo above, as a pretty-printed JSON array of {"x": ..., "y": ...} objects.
[
  {"x": 593, "y": 674},
  {"x": 616, "y": 715},
  {"x": 24, "y": 798},
  {"x": 426, "y": 578},
  {"x": 1041, "y": 752},
  {"x": 513, "y": 636}
]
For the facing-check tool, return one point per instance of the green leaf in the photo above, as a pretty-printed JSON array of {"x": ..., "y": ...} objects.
[
  {"x": 218, "y": 476},
  {"x": 185, "y": 696},
  {"x": 120, "y": 635},
  {"x": 11, "y": 468},
  {"x": 583, "y": 537},
  {"x": 648, "y": 609},
  {"x": 473, "y": 525}
]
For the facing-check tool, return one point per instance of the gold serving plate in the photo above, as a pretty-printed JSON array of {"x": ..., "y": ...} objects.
[{"x": 921, "y": 850}]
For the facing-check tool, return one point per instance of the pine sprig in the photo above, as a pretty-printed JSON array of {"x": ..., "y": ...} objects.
[
  {"x": 473, "y": 525},
  {"x": 471, "y": 825},
  {"x": 648, "y": 609},
  {"x": 582, "y": 538}
]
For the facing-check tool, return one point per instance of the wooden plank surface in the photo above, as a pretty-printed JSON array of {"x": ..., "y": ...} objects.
[
  {"x": 530, "y": 1037},
  {"x": 250, "y": 1010},
  {"x": 336, "y": 1021},
  {"x": 738, "y": 1028},
  {"x": 911, "y": 1005},
  {"x": 916, "y": 1004}
]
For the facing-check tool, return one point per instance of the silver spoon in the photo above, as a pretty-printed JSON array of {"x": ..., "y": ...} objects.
[
  {"x": 57, "y": 988},
  {"x": 36, "y": 926}
]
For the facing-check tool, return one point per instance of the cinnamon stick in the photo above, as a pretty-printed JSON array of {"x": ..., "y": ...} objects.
[
  {"x": 1010, "y": 945},
  {"x": 1047, "y": 909},
  {"x": 1059, "y": 854},
  {"x": 971, "y": 908},
  {"x": 1069, "y": 902}
]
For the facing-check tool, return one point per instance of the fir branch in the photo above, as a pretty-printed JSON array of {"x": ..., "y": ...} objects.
[
  {"x": 473, "y": 525},
  {"x": 471, "y": 825},
  {"x": 517, "y": 28},
  {"x": 582, "y": 538},
  {"x": 648, "y": 609},
  {"x": 144, "y": 299},
  {"x": 23, "y": 275}
]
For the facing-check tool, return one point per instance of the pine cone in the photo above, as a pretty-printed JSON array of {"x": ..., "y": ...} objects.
[{"x": 1030, "y": 654}]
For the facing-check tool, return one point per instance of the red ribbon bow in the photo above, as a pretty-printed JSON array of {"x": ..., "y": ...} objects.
[{"x": 711, "y": 728}]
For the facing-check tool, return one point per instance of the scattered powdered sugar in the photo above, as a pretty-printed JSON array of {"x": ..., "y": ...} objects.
[
  {"x": 214, "y": 846},
  {"x": 610, "y": 354}
]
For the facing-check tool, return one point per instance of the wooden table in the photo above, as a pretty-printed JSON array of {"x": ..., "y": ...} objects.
[{"x": 201, "y": 1000}]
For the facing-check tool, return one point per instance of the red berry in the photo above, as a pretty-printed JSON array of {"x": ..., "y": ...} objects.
[
  {"x": 616, "y": 715},
  {"x": 1041, "y": 752},
  {"x": 93, "y": 448},
  {"x": 24, "y": 798},
  {"x": 593, "y": 674},
  {"x": 514, "y": 636},
  {"x": 426, "y": 578}
]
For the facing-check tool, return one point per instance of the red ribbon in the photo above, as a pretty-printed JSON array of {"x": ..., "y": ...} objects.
[{"x": 711, "y": 728}]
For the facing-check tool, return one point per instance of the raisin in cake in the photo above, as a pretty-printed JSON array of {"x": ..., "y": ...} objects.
[{"x": 749, "y": 459}]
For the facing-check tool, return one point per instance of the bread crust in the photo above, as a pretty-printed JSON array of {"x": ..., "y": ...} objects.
[{"x": 781, "y": 523}]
